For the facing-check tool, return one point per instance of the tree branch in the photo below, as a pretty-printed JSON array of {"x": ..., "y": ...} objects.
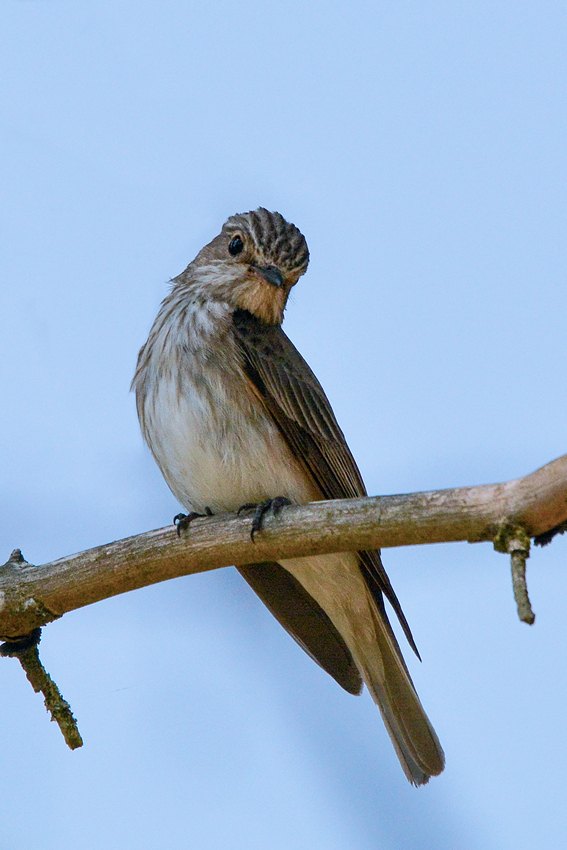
[
  {"x": 32, "y": 596},
  {"x": 26, "y": 652}
]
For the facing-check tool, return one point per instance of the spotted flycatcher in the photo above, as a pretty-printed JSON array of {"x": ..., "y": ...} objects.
[{"x": 234, "y": 415}]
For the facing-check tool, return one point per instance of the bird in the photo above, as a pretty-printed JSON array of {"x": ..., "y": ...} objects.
[{"x": 234, "y": 417}]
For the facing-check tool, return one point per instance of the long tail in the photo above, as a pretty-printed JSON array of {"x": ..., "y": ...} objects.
[
  {"x": 337, "y": 584},
  {"x": 386, "y": 676}
]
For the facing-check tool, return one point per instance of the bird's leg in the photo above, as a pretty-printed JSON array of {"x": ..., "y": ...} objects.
[
  {"x": 183, "y": 521},
  {"x": 261, "y": 509},
  {"x": 247, "y": 507}
]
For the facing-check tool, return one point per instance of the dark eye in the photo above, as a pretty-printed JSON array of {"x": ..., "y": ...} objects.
[{"x": 236, "y": 246}]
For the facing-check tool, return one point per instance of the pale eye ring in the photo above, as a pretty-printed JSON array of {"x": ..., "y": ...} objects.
[{"x": 235, "y": 246}]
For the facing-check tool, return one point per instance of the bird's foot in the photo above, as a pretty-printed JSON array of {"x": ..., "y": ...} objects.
[
  {"x": 261, "y": 509},
  {"x": 183, "y": 521}
]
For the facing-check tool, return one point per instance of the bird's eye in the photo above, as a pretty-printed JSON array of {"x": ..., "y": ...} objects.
[{"x": 235, "y": 246}]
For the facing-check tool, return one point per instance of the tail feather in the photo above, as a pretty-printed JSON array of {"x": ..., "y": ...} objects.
[
  {"x": 337, "y": 584},
  {"x": 386, "y": 676}
]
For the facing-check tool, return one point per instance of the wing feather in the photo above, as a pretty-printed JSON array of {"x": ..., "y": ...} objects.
[
  {"x": 304, "y": 619},
  {"x": 299, "y": 407}
]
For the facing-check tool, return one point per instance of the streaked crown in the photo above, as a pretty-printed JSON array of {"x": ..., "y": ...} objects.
[{"x": 275, "y": 241}]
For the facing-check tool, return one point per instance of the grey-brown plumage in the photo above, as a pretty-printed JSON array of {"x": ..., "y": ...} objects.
[{"x": 234, "y": 415}]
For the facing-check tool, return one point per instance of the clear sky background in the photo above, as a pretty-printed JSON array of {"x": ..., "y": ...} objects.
[{"x": 420, "y": 147}]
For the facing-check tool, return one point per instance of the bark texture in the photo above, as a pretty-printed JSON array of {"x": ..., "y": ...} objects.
[{"x": 31, "y": 596}]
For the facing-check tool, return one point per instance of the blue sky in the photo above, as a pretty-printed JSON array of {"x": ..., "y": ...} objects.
[{"x": 420, "y": 147}]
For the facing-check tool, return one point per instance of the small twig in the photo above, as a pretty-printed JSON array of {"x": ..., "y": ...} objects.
[
  {"x": 525, "y": 611},
  {"x": 25, "y": 650},
  {"x": 516, "y": 542}
]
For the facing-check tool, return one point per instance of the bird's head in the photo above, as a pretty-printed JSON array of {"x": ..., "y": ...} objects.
[{"x": 253, "y": 263}]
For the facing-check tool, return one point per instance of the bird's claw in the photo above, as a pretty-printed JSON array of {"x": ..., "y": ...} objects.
[
  {"x": 261, "y": 509},
  {"x": 183, "y": 521}
]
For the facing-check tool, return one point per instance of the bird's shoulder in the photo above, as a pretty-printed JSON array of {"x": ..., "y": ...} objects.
[
  {"x": 298, "y": 404},
  {"x": 280, "y": 372}
]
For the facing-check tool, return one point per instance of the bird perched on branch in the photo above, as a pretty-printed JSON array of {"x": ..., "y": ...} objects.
[{"x": 234, "y": 416}]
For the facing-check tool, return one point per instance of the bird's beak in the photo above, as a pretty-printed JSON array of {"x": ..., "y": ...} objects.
[{"x": 271, "y": 274}]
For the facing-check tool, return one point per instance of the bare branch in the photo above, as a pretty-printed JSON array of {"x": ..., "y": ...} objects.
[
  {"x": 515, "y": 540},
  {"x": 32, "y": 596},
  {"x": 25, "y": 650}
]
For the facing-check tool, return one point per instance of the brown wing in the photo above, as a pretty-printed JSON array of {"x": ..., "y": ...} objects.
[
  {"x": 304, "y": 619},
  {"x": 295, "y": 399}
]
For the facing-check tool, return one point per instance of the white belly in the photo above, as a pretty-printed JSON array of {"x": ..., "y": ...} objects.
[{"x": 216, "y": 449}]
